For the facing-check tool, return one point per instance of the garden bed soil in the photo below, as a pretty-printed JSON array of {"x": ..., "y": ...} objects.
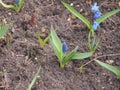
[{"x": 23, "y": 56}]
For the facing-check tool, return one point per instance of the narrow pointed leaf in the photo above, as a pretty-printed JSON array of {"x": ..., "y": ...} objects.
[
  {"x": 81, "y": 56},
  {"x": 57, "y": 53},
  {"x": 89, "y": 42},
  {"x": 69, "y": 56},
  {"x": 109, "y": 67},
  {"x": 40, "y": 40},
  {"x": 56, "y": 40},
  {"x": 21, "y": 2},
  {"x": 56, "y": 43},
  {"x": 46, "y": 39},
  {"x": 7, "y": 6},
  {"x": 107, "y": 15},
  {"x": 3, "y": 30},
  {"x": 16, "y": 8},
  {"x": 34, "y": 79},
  {"x": 77, "y": 14}
]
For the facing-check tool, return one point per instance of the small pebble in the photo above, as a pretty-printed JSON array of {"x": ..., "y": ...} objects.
[
  {"x": 69, "y": 19},
  {"x": 77, "y": 5},
  {"x": 73, "y": 17},
  {"x": 111, "y": 83},
  {"x": 13, "y": 30},
  {"x": 9, "y": 13},
  {"x": 71, "y": 4},
  {"x": 110, "y": 61},
  {"x": 36, "y": 58},
  {"x": 81, "y": 10}
]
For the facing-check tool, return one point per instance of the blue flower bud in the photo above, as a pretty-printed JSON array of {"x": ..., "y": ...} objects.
[
  {"x": 97, "y": 14},
  {"x": 16, "y": 2},
  {"x": 94, "y": 7},
  {"x": 64, "y": 47},
  {"x": 118, "y": 61},
  {"x": 95, "y": 25}
]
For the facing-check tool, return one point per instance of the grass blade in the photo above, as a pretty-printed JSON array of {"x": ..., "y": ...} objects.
[
  {"x": 107, "y": 15},
  {"x": 77, "y": 14},
  {"x": 34, "y": 79},
  {"x": 3, "y": 30},
  {"x": 109, "y": 67},
  {"x": 81, "y": 56}
]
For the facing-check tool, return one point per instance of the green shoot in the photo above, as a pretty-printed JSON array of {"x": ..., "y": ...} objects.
[
  {"x": 3, "y": 30},
  {"x": 41, "y": 41},
  {"x": 92, "y": 43},
  {"x": 34, "y": 79},
  {"x": 109, "y": 67},
  {"x": 14, "y": 7},
  {"x": 63, "y": 56}
]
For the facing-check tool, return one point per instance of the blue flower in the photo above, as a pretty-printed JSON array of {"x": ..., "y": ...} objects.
[
  {"x": 95, "y": 25},
  {"x": 94, "y": 7},
  {"x": 97, "y": 14},
  {"x": 16, "y": 2},
  {"x": 64, "y": 47}
]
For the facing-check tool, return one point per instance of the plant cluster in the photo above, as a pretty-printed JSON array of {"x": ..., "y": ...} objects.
[{"x": 92, "y": 44}]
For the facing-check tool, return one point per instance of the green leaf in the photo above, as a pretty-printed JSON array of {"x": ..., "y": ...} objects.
[
  {"x": 3, "y": 30},
  {"x": 16, "y": 8},
  {"x": 109, "y": 67},
  {"x": 77, "y": 14},
  {"x": 41, "y": 41},
  {"x": 81, "y": 56},
  {"x": 97, "y": 43},
  {"x": 107, "y": 15},
  {"x": 69, "y": 56},
  {"x": 21, "y": 2},
  {"x": 7, "y": 6},
  {"x": 46, "y": 39},
  {"x": 34, "y": 79},
  {"x": 89, "y": 42},
  {"x": 92, "y": 44},
  {"x": 56, "y": 43}
]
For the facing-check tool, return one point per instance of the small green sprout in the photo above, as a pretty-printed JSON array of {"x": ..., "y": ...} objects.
[
  {"x": 41, "y": 41},
  {"x": 3, "y": 30},
  {"x": 61, "y": 50},
  {"x": 16, "y": 7},
  {"x": 96, "y": 14},
  {"x": 34, "y": 79},
  {"x": 92, "y": 42}
]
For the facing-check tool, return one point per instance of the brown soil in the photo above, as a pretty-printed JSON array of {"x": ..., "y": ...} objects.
[{"x": 23, "y": 55}]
